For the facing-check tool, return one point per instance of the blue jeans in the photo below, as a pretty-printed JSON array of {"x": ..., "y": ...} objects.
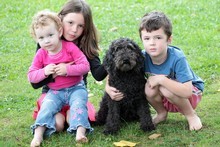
[{"x": 76, "y": 96}]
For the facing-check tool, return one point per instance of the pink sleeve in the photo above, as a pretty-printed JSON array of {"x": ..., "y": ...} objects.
[
  {"x": 36, "y": 70},
  {"x": 81, "y": 65}
]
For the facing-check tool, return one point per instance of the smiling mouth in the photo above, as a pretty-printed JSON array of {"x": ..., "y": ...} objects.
[{"x": 73, "y": 36}]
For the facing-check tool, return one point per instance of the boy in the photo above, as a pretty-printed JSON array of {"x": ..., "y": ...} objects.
[{"x": 172, "y": 86}]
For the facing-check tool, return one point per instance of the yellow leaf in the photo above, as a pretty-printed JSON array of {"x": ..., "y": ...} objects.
[
  {"x": 119, "y": 144},
  {"x": 154, "y": 136},
  {"x": 128, "y": 143},
  {"x": 125, "y": 143}
]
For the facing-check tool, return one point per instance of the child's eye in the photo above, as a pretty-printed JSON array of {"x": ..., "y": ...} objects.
[
  {"x": 146, "y": 38},
  {"x": 81, "y": 26},
  {"x": 50, "y": 35},
  {"x": 158, "y": 37},
  {"x": 70, "y": 22},
  {"x": 41, "y": 38}
]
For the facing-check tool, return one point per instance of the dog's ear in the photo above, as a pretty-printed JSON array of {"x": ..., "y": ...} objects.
[
  {"x": 108, "y": 59},
  {"x": 132, "y": 46},
  {"x": 137, "y": 49},
  {"x": 141, "y": 57}
]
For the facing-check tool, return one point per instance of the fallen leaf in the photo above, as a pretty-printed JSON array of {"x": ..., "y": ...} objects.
[
  {"x": 125, "y": 143},
  {"x": 128, "y": 143},
  {"x": 154, "y": 136},
  {"x": 119, "y": 144}
]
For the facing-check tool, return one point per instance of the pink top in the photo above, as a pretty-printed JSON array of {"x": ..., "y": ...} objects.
[{"x": 70, "y": 52}]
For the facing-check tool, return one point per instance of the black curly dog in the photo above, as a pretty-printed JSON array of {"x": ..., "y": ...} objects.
[{"x": 124, "y": 63}]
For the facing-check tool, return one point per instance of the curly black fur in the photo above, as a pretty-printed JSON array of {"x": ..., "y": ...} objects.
[{"x": 124, "y": 64}]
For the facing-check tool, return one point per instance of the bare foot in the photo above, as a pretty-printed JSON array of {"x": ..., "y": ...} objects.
[
  {"x": 194, "y": 122},
  {"x": 82, "y": 139},
  {"x": 80, "y": 135},
  {"x": 36, "y": 142},
  {"x": 159, "y": 118}
]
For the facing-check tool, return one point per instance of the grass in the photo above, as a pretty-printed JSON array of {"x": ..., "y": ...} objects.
[{"x": 196, "y": 29}]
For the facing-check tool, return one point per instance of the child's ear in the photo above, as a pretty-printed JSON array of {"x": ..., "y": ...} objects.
[
  {"x": 60, "y": 31},
  {"x": 169, "y": 40}
]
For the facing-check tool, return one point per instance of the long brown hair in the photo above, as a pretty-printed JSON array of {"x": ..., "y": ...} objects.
[{"x": 88, "y": 41}]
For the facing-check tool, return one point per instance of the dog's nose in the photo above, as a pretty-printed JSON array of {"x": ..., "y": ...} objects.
[{"x": 126, "y": 61}]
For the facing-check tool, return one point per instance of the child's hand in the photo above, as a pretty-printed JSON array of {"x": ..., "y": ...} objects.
[
  {"x": 60, "y": 69},
  {"x": 154, "y": 81},
  {"x": 49, "y": 69},
  {"x": 70, "y": 63},
  {"x": 115, "y": 94},
  {"x": 54, "y": 75}
]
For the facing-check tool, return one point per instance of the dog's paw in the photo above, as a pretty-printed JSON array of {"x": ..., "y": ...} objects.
[
  {"x": 97, "y": 123},
  {"x": 110, "y": 132},
  {"x": 148, "y": 128}
]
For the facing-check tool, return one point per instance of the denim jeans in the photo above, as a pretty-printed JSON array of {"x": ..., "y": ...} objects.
[{"x": 76, "y": 96}]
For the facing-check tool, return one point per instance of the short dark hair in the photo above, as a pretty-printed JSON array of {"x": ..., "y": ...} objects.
[{"x": 155, "y": 20}]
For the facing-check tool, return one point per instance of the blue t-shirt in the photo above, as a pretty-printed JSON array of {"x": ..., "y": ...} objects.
[{"x": 175, "y": 66}]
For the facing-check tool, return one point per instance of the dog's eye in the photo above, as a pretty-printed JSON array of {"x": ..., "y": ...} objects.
[
  {"x": 118, "y": 48},
  {"x": 131, "y": 46}
]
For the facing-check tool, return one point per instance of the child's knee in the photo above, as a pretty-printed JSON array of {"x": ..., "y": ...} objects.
[
  {"x": 60, "y": 122},
  {"x": 151, "y": 93},
  {"x": 166, "y": 93},
  {"x": 59, "y": 127}
]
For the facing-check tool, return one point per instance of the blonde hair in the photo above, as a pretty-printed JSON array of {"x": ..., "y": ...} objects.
[{"x": 44, "y": 18}]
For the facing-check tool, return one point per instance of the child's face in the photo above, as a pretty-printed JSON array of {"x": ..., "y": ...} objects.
[
  {"x": 155, "y": 42},
  {"x": 49, "y": 37},
  {"x": 73, "y": 26}
]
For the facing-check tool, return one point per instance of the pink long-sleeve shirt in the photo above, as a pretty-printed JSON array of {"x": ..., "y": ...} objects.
[{"x": 69, "y": 53}]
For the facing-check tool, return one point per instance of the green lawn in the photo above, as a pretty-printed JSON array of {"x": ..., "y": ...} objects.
[{"x": 196, "y": 29}]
